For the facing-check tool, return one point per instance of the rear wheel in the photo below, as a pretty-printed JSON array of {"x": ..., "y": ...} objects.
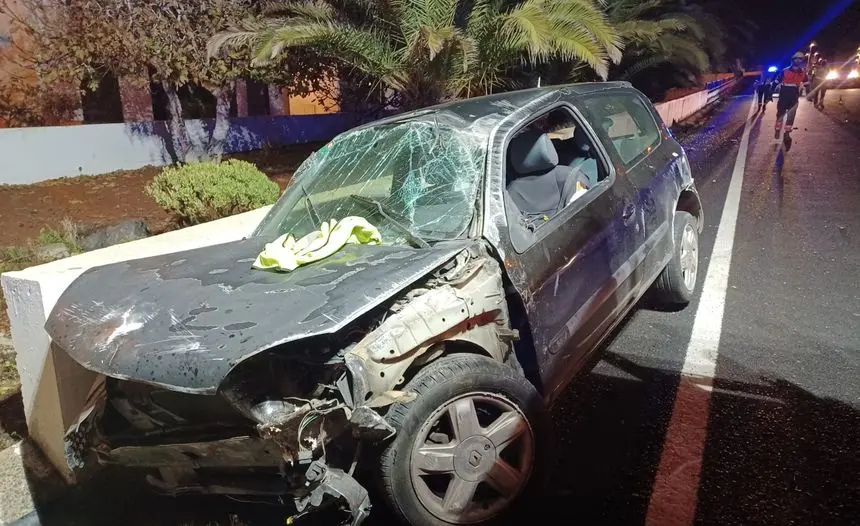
[
  {"x": 469, "y": 448},
  {"x": 677, "y": 282}
]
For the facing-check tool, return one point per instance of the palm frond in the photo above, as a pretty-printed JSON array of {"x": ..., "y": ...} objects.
[
  {"x": 527, "y": 28},
  {"x": 684, "y": 51},
  {"x": 367, "y": 50},
  {"x": 438, "y": 47},
  {"x": 584, "y": 14},
  {"x": 414, "y": 15},
  {"x": 311, "y": 10},
  {"x": 245, "y": 34},
  {"x": 645, "y": 31},
  {"x": 577, "y": 48}
]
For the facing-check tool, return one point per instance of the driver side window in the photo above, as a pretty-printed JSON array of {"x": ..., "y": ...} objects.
[{"x": 551, "y": 163}]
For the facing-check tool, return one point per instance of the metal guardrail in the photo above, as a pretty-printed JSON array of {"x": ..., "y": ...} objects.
[
  {"x": 677, "y": 110},
  {"x": 716, "y": 88}
]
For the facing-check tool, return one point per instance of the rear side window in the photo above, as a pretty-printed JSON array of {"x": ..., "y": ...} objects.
[{"x": 628, "y": 123}]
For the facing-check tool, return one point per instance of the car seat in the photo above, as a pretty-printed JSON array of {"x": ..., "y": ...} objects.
[
  {"x": 538, "y": 186},
  {"x": 577, "y": 154}
]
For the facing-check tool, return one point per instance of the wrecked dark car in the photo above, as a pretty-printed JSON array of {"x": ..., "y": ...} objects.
[{"x": 517, "y": 230}]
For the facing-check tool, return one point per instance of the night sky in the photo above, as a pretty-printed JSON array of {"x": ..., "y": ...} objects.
[{"x": 786, "y": 26}]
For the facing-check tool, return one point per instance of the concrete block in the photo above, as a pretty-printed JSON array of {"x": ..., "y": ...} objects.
[{"x": 53, "y": 386}]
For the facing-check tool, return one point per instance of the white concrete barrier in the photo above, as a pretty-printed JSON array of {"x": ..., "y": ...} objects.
[
  {"x": 53, "y": 386},
  {"x": 94, "y": 149},
  {"x": 679, "y": 109}
]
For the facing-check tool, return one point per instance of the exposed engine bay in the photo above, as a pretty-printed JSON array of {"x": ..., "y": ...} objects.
[{"x": 290, "y": 424}]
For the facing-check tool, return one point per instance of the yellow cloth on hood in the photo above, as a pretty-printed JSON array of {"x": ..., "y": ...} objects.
[{"x": 286, "y": 254}]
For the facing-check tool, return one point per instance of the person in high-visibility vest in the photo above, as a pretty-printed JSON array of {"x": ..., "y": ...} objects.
[{"x": 791, "y": 80}]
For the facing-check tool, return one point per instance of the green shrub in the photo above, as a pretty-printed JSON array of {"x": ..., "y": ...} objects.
[
  {"x": 68, "y": 236},
  {"x": 201, "y": 192}
]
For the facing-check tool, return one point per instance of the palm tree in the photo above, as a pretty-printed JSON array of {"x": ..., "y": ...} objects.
[
  {"x": 431, "y": 50},
  {"x": 660, "y": 33}
]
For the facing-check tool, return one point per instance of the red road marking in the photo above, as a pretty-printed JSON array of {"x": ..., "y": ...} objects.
[{"x": 676, "y": 486}]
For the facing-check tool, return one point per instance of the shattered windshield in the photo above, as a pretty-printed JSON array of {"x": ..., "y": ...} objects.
[{"x": 415, "y": 181}]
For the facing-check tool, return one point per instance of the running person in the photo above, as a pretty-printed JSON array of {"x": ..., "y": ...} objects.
[{"x": 792, "y": 80}]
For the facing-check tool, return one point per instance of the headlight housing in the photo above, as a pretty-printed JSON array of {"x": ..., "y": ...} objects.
[
  {"x": 832, "y": 75},
  {"x": 854, "y": 74}
]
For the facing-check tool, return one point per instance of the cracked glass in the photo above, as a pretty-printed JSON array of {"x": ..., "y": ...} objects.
[{"x": 423, "y": 174}]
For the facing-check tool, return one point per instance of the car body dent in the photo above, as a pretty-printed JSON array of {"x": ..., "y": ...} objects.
[
  {"x": 185, "y": 320},
  {"x": 466, "y": 304}
]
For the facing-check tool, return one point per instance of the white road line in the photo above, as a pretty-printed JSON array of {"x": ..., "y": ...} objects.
[
  {"x": 701, "y": 357},
  {"x": 674, "y": 494}
]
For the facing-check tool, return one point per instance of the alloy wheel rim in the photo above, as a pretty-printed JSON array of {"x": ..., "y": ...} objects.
[
  {"x": 689, "y": 257},
  {"x": 471, "y": 458}
]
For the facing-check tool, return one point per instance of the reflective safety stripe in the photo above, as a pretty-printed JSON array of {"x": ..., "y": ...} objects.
[{"x": 791, "y": 77}]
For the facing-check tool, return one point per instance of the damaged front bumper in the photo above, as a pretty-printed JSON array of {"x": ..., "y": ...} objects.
[
  {"x": 301, "y": 452},
  {"x": 263, "y": 439}
]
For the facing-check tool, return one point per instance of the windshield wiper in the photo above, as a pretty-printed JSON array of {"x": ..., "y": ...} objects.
[
  {"x": 387, "y": 215},
  {"x": 310, "y": 206}
]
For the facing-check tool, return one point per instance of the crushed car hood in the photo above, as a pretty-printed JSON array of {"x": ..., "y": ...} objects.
[{"x": 184, "y": 320}]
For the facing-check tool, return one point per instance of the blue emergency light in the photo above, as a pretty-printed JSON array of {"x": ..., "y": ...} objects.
[{"x": 771, "y": 69}]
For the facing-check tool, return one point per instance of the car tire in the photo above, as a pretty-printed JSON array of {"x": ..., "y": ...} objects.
[
  {"x": 677, "y": 282},
  {"x": 466, "y": 460}
]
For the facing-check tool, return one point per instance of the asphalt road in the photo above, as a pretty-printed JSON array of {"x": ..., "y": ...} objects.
[
  {"x": 774, "y": 438},
  {"x": 781, "y": 441}
]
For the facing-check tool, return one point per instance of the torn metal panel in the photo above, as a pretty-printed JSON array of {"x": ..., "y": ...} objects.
[
  {"x": 184, "y": 320},
  {"x": 469, "y": 305},
  {"x": 335, "y": 483},
  {"x": 370, "y": 425}
]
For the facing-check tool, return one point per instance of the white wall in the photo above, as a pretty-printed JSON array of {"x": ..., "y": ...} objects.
[{"x": 30, "y": 155}]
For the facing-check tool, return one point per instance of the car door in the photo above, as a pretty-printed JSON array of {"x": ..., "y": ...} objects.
[
  {"x": 574, "y": 268},
  {"x": 638, "y": 145}
]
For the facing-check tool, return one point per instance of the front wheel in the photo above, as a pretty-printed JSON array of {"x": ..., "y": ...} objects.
[
  {"x": 469, "y": 448},
  {"x": 677, "y": 282}
]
